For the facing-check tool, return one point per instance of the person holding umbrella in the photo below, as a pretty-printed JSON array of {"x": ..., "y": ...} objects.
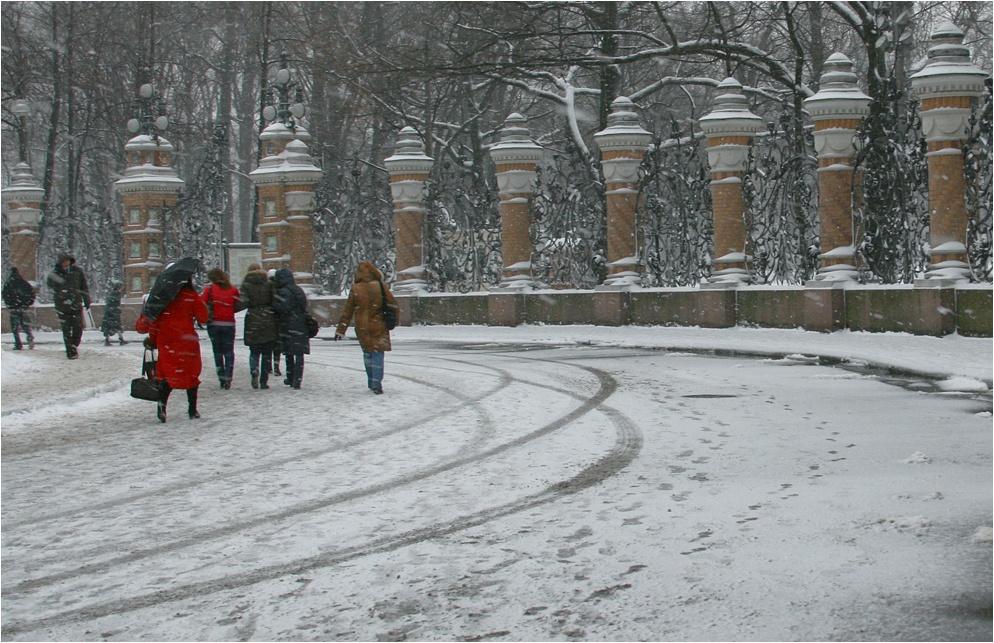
[{"x": 168, "y": 317}]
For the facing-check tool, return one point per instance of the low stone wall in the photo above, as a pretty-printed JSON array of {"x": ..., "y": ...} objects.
[{"x": 967, "y": 310}]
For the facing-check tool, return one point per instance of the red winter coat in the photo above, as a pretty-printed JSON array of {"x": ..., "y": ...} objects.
[
  {"x": 173, "y": 334},
  {"x": 223, "y": 300}
]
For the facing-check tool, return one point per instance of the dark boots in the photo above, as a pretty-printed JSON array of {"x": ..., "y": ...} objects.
[
  {"x": 191, "y": 398},
  {"x": 160, "y": 406},
  {"x": 164, "y": 391}
]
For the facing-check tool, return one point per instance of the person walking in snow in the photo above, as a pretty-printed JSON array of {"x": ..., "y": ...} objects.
[
  {"x": 261, "y": 327},
  {"x": 72, "y": 295},
  {"x": 18, "y": 296},
  {"x": 290, "y": 304},
  {"x": 365, "y": 303},
  {"x": 220, "y": 298},
  {"x": 277, "y": 347},
  {"x": 111, "y": 323},
  {"x": 173, "y": 334}
]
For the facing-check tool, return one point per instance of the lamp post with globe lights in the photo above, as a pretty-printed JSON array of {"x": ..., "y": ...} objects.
[
  {"x": 21, "y": 109},
  {"x": 285, "y": 180},
  {"x": 280, "y": 106},
  {"x": 148, "y": 113},
  {"x": 150, "y": 186}
]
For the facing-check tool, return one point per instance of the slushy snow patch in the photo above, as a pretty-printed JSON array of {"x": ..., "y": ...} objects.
[
  {"x": 962, "y": 385},
  {"x": 983, "y": 535},
  {"x": 918, "y": 525},
  {"x": 918, "y": 458}
]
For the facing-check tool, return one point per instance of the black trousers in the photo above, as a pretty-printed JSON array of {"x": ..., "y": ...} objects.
[{"x": 72, "y": 329}]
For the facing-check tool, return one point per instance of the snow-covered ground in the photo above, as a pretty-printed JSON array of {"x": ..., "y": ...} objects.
[{"x": 531, "y": 483}]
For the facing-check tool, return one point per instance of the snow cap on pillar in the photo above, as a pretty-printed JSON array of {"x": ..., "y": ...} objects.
[
  {"x": 623, "y": 131},
  {"x": 515, "y": 144},
  {"x": 839, "y": 96},
  {"x": 730, "y": 118},
  {"x": 949, "y": 70},
  {"x": 409, "y": 154},
  {"x": 731, "y": 115}
]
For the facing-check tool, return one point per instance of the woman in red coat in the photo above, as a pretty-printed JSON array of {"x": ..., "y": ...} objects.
[{"x": 173, "y": 334}]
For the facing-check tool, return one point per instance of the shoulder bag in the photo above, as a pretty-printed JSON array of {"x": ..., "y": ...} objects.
[{"x": 388, "y": 310}]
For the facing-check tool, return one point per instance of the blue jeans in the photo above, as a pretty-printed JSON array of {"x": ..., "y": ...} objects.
[
  {"x": 223, "y": 342},
  {"x": 263, "y": 353},
  {"x": 18, "y": 322},
  {"x": 374, "y": 368}
]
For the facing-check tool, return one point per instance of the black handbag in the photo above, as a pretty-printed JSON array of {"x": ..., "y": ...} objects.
[
  {"x": 388, "y": 310},
  {"x": 312, "y": 325},
  {"x": 146, "y": 387}
]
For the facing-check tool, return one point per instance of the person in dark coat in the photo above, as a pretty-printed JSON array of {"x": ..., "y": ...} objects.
[
  {"x": 111, "y": 323},
  {"x": 72, "y": 295},
  {"x": 365, "y": 303},
  {"x": 176, "y": 339},
  {"x": 277, "y": 348},
  {"x": 18, "y": 296},
  {"x": 261, "y": 327},
  {"x": 290, "y": 304}
]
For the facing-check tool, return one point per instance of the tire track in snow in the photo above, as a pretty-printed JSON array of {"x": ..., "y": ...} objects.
[
  {"x": 191, "y": 539},
  {"x": 628, "y": 444},
  {"x": 465, "y": 401}
]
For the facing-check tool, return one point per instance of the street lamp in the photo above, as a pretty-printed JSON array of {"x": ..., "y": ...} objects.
[
  {"x": 148, "y": 113},
  {"x": 21, "y": 109},
  {"x": 280, "y": 105}
]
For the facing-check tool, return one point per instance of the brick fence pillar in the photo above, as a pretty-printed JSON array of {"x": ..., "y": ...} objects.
[
  {"x": 946, "y": 86},
  {"x": 285, "y": 182},
  {"x": 729, "y": 128},
  {"x": 21, "y": 214},
  {"x": 149, "y": 187},
  {"x": 409, "y": 168},
  {"x": 837, "y": 110},
  {"x": 623, "y": 145},
  {"x": 516, "y": 157}
]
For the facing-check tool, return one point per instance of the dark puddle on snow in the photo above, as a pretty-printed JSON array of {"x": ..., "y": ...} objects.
[{"x": 910, "y": 381}]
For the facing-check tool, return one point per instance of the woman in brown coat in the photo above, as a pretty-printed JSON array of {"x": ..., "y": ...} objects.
[{"x": 366, "y": 303}]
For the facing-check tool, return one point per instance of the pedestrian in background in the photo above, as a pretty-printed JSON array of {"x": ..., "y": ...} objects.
[
  {"x": 18, "y": 296},
  {"x": 290, "y": 304},
  {"x": 111, "y": 323},
  {"x": 365, "y": 303},
  {"x": 172, "y": 333},
  {"x": 220, "y": 298},
  {"x": 71, "y": 295},
  {"x": 277, "y": 348},
  {"x": 261, "y": 330}
]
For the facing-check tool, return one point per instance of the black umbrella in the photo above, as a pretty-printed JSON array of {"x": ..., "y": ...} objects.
[{"x": 168, "y": 284}]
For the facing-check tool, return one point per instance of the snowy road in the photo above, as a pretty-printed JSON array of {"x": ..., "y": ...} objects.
[{"x": 496, "y": 492}]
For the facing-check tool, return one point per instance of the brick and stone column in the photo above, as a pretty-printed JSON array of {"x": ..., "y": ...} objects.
[
  {"x": 837, "y": 110},
  {"x": 516, "y": 157},
  {"x": 946, "y": 86},
  {"x": 21, "y": 214},
  {"x": 409, "y": 168},
  {"x": 623, "y": 145},
  {"x": 729, "y": 128},
  {"x": 150, "y": 186},
  {"x": 285, "y": 182}
]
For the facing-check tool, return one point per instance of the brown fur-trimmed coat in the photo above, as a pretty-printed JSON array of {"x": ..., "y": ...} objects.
[{"x": 365, "y": 304}]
